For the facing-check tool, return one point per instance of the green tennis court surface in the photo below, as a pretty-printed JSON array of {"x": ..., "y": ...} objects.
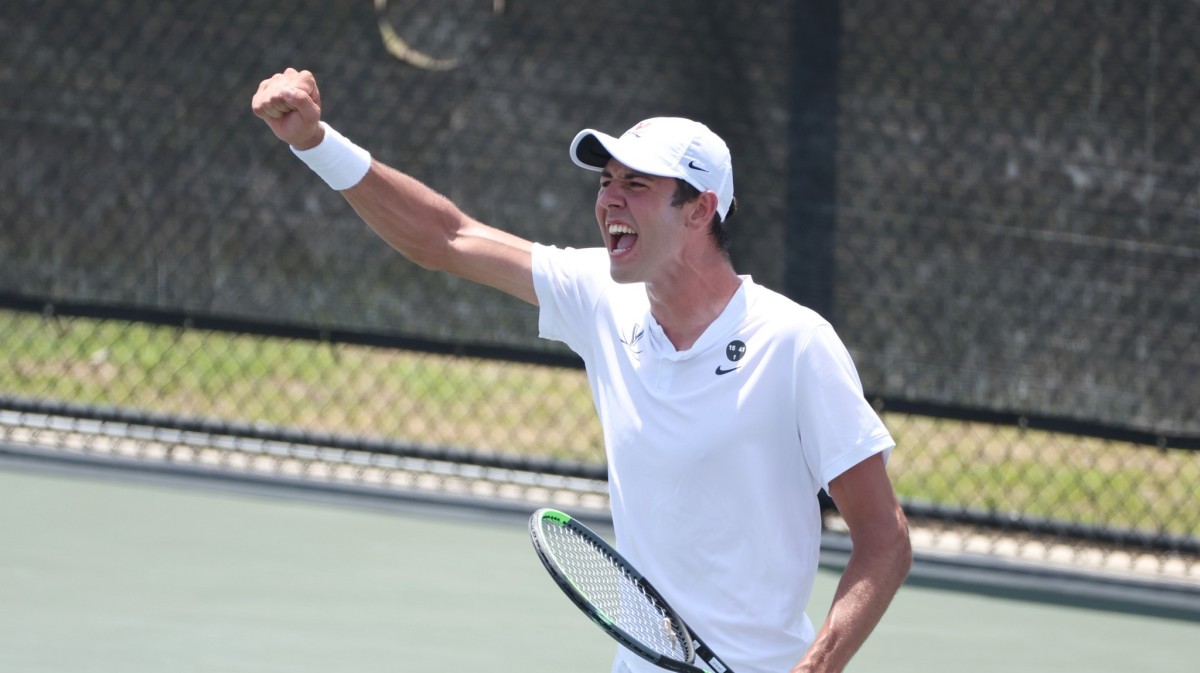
[{"x": 101, "y": 574}]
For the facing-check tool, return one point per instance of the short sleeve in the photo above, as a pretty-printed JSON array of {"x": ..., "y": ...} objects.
[
  {"x": 838, "y": 427},
  {"x": 569, "y": 284}
]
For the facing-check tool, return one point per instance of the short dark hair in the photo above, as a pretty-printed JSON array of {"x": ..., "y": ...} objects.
[{"x": 685, "y": 192}]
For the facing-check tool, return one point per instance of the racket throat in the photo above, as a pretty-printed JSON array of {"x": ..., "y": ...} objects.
[{"x": 708, "y": 660}]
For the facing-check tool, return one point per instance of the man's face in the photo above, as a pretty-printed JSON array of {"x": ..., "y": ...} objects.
[{"x": 642, "y": 230}]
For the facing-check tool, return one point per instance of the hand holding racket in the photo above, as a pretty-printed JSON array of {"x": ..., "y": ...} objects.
[{"x": 616, "y": 596}]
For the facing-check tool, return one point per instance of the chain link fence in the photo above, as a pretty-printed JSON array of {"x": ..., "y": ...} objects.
[
  {"x": 1020, "y": 189},
  {"x": 995, "y": 202}
]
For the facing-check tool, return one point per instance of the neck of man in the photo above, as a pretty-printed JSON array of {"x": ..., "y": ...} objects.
[{"x": 687, "y": 302}]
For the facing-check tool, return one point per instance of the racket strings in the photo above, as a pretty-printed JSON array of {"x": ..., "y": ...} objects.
[{"x": 616, "y": 593}]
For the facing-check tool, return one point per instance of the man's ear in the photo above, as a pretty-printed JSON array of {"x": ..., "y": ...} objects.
[{"x": 702, "y": 210}]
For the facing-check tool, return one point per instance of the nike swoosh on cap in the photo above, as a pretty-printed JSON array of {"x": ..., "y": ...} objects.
[{"x": 692, "y": 165}]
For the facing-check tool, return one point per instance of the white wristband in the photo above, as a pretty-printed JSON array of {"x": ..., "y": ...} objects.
[{"x": 339, "y": 162}]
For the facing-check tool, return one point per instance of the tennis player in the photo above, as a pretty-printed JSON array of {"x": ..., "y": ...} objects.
[{"x": 725, "y": 406}]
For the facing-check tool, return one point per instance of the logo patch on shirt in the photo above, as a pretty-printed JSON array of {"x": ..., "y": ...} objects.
[
  {"x": 734, "y": 350},
  {"x": 633, "y": 342}
]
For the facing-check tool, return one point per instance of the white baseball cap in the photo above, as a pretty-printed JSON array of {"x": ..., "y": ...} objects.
[{"x": 670, "y": 147}]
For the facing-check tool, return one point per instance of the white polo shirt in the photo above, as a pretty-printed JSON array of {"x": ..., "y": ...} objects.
[{"x": 716, "y": 453}]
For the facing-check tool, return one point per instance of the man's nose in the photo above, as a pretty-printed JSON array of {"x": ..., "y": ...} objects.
[{"x": 610, "y": 196}]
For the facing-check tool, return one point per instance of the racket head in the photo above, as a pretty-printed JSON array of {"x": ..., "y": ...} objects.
[{"x": 611, "y": 592}]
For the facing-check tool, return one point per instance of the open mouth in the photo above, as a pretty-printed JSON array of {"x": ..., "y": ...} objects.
[{"x": 623, "y": 237}]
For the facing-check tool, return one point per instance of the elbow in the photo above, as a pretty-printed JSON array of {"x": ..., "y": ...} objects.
[
  {"x": 885, "y": 545},
  {"x": 435, "y": 250},
  {"x": 901, "y": 544},
  {"x": 429, "y": 259},
  {"x": 890, "y": 543}
]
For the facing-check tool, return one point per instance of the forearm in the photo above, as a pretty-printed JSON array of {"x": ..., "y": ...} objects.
[
  {"x": 414, "y": 219},
  {"x": 869, "y": 582},
  {"x": 411, "y": 217}
]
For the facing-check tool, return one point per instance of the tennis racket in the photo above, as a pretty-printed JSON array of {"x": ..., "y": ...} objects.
[{"x": 616, "y": 596}]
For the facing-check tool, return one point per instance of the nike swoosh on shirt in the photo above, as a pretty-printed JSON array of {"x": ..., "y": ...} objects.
[{"x": 726, "y": 371}]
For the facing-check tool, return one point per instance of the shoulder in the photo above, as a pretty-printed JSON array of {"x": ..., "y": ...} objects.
[
  {"x": 796, "y": 333},
  {"x": 555, "y": 255},
  {"x": 550, "y": 261},
  {"x": 572, "y": 276},
  {"x": 784, "y": 315}
]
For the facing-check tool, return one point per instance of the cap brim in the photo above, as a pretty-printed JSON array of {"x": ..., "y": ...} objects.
[
  {"x": 588, "y": 149},
  {"x": 592, "y": 150}
]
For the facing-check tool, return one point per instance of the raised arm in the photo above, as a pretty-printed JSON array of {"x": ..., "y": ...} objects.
[{"x": 421, "y": 224}]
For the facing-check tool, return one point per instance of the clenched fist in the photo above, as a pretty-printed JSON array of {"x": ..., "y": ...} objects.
[{"x": 290, "y": 104}]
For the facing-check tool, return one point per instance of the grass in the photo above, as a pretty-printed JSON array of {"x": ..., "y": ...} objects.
[
  {"x": 1041, "y": 474},
  {"x": 372, "y": 392},
  {"x": 502, "y": 406}
]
